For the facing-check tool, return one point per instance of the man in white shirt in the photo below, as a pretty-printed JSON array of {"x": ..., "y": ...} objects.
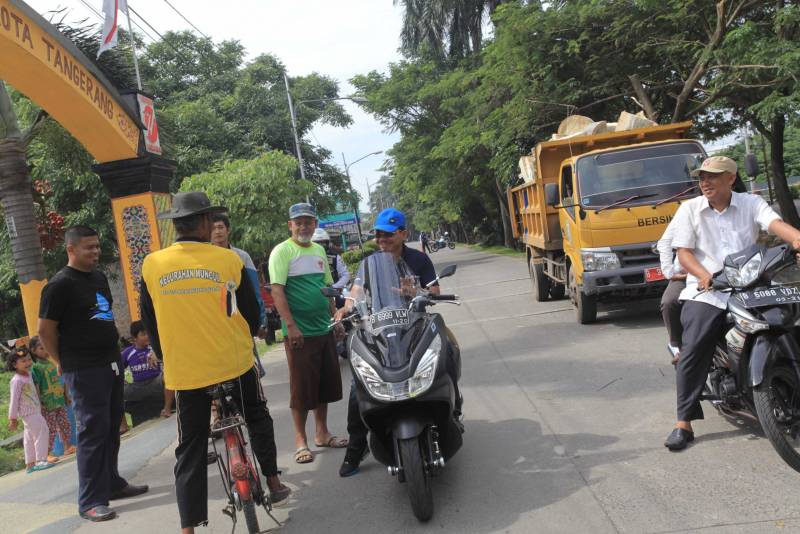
[{"x": 707, "y": 229}]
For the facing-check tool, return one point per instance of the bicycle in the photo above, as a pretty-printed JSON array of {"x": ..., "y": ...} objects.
[{"x": 238, "y": 470}]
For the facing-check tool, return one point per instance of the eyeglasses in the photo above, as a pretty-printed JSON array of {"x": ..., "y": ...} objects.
[{"x": 381, "y": 234}]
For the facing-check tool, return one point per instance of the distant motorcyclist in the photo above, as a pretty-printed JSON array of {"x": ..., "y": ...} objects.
[{"x": 338, "y": 268}]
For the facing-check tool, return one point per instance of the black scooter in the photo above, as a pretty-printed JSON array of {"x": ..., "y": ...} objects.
[
  {"x": 755, "y": 371},
  {"x": 406, "y": 367}
]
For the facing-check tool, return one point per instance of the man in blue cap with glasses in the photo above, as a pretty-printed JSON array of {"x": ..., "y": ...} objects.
[{"x": 391, "y": 234}]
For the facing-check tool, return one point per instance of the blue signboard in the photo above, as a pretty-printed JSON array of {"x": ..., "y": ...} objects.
[{"x": 337, "y": 220}]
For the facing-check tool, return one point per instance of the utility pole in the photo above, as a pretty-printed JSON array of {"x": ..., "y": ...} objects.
[
  {"x": 353, "y": 202},
  {"x": 294, "y": 130}
]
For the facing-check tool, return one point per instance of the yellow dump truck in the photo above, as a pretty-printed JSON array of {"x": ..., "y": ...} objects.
[{"x": 593, "y": 208}]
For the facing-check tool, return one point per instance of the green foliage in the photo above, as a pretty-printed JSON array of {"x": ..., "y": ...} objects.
[
  {"x": 465, "y": 122},
  {"x": 257, "y": 193},
  {"x": 214, "y": 107},
  {"x": 352, "y": 258}
]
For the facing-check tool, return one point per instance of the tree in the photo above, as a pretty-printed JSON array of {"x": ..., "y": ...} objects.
[
  {"x": 443, "y": 29},
  {"x": 214, "y": 107},
  {"x": 257, "y": 193}
]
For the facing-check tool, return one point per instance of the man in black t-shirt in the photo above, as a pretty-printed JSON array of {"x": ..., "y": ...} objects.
[{"x": 76, "y": 326}]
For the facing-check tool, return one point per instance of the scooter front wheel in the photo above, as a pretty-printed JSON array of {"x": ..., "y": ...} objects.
[{"x": 417, "y": 477}]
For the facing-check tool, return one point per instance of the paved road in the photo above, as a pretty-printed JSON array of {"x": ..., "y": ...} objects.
[{"x": 564, "y": 431}]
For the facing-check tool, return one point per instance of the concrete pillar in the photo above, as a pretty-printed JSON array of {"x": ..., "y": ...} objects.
[{"x": 139, "y": 189}]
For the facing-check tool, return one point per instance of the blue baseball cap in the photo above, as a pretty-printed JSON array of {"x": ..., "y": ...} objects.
[
  {"x": 390, "y": 220},
  {"x": 302, "y": 209}
]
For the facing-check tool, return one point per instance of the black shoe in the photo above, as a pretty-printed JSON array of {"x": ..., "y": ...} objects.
[
  {"x": 278, "y": 496},
  {"x": 99, "y": 513},
  {"x": 129, "y": 491},
  {"x": 352, "y": 459},
  {"x": 679, "y": 439}
]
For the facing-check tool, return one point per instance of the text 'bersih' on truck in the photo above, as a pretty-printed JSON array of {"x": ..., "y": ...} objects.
[{"x": 596, "y": 199}]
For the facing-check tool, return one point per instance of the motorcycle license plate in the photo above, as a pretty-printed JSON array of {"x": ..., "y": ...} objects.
[
  {"x": 653, "y": 274},
  {"x": 770, "y": 296}
]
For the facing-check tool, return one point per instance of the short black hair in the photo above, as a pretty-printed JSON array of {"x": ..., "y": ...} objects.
[
  {"x": 17, "y": 353},
  {"x": 186, "y": 225},
  {"x": 136, "y": 327},
  {"x": 34, "y": 342},
  {"x": 221, "y": 217},
  {"x": 74, "y": 234}
]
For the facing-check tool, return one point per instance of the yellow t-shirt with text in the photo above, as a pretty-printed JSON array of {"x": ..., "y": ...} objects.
[{"x": 204, "y": 338}]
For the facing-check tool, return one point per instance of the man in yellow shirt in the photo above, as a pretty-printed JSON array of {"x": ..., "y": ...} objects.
[{"x": 200, "y": 311}]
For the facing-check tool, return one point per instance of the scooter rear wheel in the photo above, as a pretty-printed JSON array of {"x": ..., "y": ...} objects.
[{"x": 417, "y": 478}]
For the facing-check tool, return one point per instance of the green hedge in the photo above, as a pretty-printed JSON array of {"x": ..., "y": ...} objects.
[{"x": 352, "y": 258}]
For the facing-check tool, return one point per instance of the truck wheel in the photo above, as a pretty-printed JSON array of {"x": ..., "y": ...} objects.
[
  {"x": 539, "y": 281},
  {"x": 585, "y": 305},
  {"x": 557, "y": 291}
]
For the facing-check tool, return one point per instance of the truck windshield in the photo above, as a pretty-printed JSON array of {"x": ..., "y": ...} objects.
[{"x": 654, "y": 172}]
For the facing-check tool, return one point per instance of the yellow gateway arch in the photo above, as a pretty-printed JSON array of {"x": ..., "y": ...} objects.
[{"x": 48, "y": 68}]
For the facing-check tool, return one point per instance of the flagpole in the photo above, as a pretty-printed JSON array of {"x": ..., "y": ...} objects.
[{"x": 133, "y": 48}]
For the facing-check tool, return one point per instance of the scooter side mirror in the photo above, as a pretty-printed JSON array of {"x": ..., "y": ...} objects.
[
  {"x": 331, "y": 292},
  {"x": 450, "y": 270}
]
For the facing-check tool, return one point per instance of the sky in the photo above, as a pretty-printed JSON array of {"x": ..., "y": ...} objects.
[{"x": 337, "y": 38}]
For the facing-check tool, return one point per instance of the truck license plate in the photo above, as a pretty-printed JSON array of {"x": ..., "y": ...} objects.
[{"x": 653, "y": 274}]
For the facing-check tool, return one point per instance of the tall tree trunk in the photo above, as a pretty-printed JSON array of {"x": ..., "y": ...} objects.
[
  {"x": 784, "y": 196},
  {"x": 508, "y": 240},
  {"x": 16, "y": 200}
]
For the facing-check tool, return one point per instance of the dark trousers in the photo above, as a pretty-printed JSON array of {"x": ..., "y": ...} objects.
[
  {"x": 702, "y": 328},
  {"x": 191, "y": 467},
  {"x": 355, "y": 425},
  {"x": 671, "y": 311},
  {"x": 97, "y": 395}
]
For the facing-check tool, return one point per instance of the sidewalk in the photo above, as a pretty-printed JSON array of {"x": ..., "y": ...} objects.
[{"x": 46, "y": 502}]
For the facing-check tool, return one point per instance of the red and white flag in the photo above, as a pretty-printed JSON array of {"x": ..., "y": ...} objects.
[{"x": 111, "y": 9}]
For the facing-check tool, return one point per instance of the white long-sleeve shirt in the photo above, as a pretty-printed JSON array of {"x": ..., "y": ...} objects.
[{"x": 666, "y": 254}]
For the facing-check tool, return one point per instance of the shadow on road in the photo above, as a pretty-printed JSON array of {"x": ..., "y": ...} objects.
[{"x": 505, "y": 469}]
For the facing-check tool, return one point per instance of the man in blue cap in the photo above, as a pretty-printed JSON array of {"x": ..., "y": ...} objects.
[
  {"x": 391, "y": 234},
  {"x": 298, "y": 269}
]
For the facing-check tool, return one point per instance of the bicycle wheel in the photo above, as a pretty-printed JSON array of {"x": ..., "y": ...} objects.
[{"x": 249, "y": 509}]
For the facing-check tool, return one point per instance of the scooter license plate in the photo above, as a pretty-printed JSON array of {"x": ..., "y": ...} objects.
[
  {"x": 653, "y": 274},
  {"x": 770, "y": 296}
]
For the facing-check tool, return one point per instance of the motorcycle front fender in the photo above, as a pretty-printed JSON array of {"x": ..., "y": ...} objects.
[
  {"x": 409, "y": 427},
  {"x": 764, "y": 351}
]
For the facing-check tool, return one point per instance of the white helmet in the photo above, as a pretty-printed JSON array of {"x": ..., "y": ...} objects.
[
  {"x": 447, "y": 233},
  {"x": 320, "y": 235}
]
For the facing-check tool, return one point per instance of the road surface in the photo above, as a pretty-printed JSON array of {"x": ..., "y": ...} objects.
[{"x": 565, "y": 425}]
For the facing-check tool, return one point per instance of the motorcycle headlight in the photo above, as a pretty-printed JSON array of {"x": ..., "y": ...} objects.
[
  {"x": 397, "y": 391},
  {"x": 599, "y": 259},
  {"x": 746, "y": 275}
]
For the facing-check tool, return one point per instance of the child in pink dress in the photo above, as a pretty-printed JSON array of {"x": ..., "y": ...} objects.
[{"x": 24, "y": 404}]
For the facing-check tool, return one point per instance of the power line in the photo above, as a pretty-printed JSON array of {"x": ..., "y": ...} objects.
[
  {"x": 187, "y": 20},
  {"x": 101, "y": 17},
  {"x": 169, "y": 43}
]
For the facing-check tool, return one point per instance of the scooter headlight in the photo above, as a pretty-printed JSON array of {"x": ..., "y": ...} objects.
[
  {"x": 397, "y": 391},
  {"x": 746, "y": 275}
]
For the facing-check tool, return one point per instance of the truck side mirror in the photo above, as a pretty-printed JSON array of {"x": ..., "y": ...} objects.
[
  {"x": 751, "y": 165},
  {"x": 551, "y": 195}
]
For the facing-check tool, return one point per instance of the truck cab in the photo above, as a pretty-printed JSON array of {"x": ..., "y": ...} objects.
[{"x": 598, "y": 211}]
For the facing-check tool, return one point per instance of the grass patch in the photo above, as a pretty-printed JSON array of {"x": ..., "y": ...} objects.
[
  {"x": 11, "y": 459},
  {"x": 497, "y": 249},
  {"x": 5, "y": 379}
]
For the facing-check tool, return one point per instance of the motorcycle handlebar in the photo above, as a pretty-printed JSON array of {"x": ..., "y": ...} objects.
[{"x": 444, "y": 297}]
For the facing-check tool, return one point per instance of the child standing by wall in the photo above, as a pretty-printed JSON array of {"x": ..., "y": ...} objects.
[
  {"x": 24, "y": 403},
  {"x": 53, "y": 397}
]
